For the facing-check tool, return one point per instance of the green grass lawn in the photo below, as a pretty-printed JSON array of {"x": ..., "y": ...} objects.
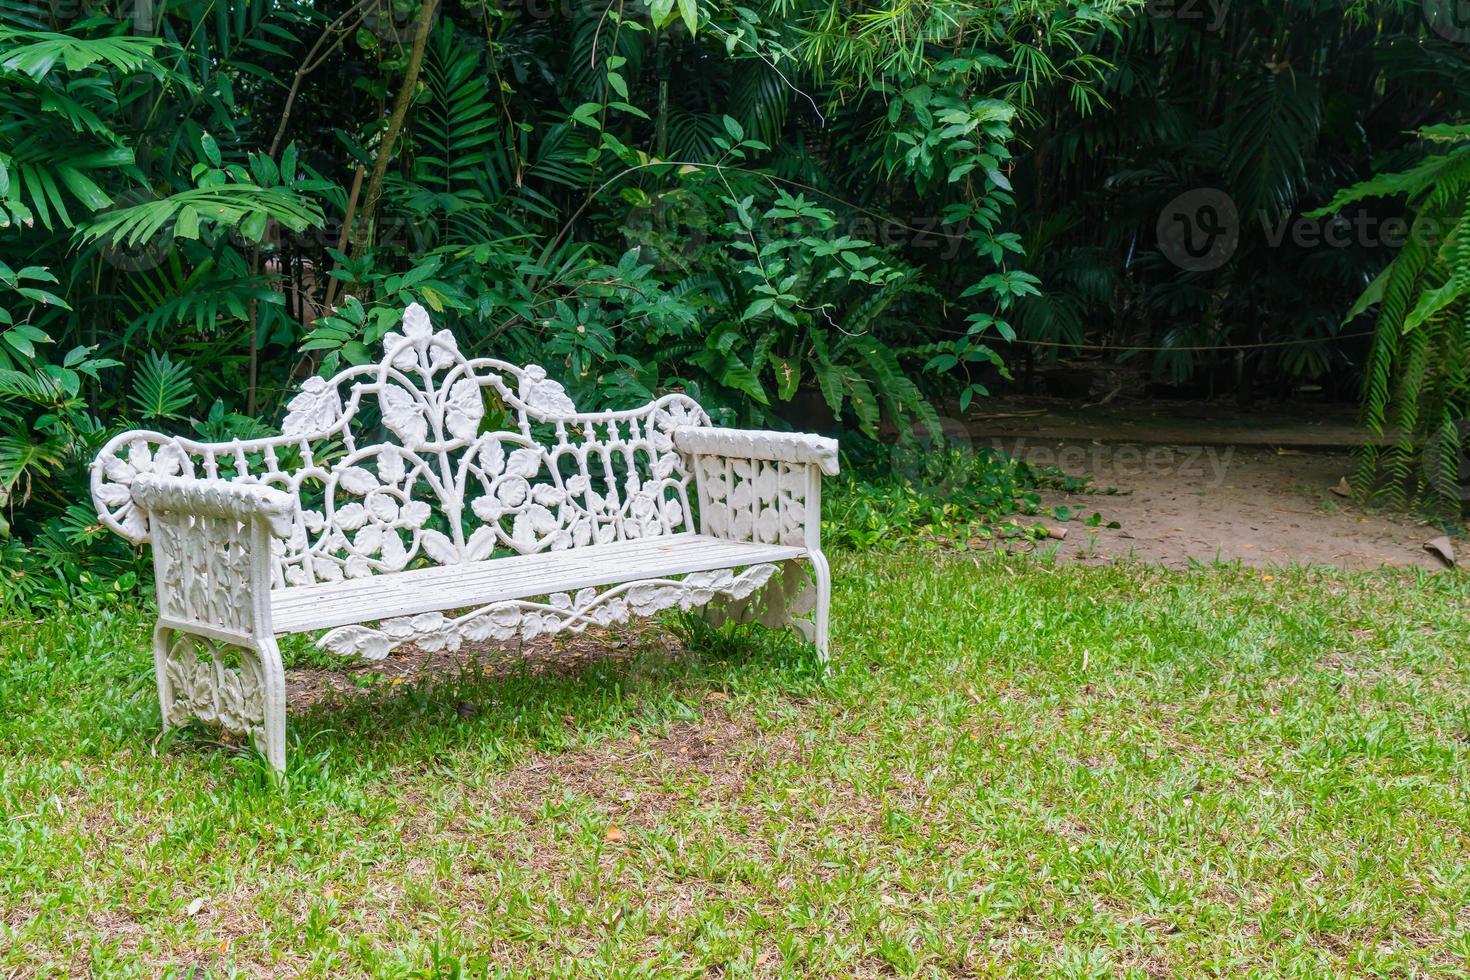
[{"x": 1013, "y": 768}]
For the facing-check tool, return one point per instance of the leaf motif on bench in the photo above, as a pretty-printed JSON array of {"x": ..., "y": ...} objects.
[
  {"x": 419, "y": 347},
  {"x": 404, "y": 416},
  {"x": 561, "y": 612},
  {"x": 544, "y": 396},
  {"x": 510, "y": 490},
  {"x": 790, "y": 601},
  {"x": 370, "y": 507},
  {"x": 754, "y": 500},
  {"x": 413, "y": 417},
  {"x": 464, "y": 408},
  {"x": 207, "y": 688},
  {"x": 112, "y": 487},
  {"x": 317, "y": 408}
]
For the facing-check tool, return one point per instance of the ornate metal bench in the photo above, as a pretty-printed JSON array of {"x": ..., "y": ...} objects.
[{"x": 434, "y": 498}]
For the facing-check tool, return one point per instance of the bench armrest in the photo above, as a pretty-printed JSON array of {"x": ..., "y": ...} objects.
[
  {"x": 212, "y": 552},
  {"x": 759, "y": 486},
  {"x": 244, "y": 502},
  {"x": 782, "y": 447}
]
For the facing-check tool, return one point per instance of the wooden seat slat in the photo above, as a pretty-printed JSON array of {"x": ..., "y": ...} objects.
[{"x": 446, "y": 587}]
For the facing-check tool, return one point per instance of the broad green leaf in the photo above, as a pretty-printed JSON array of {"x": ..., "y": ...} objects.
[
  {"x": 689, "y": 11},
  {"x": 84, "y": 188},
  {"x": 187, "y": 223},
  {"x": 1430, "y": 303}
]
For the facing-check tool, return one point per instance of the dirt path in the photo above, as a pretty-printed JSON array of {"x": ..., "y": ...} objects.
[{"x": 1181, "y": 504}]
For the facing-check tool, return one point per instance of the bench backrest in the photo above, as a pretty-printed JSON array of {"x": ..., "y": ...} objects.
[{"x": 430, "y": 455}]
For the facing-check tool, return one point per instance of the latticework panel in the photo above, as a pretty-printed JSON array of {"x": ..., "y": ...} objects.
[{"x": 432, "y": 457}]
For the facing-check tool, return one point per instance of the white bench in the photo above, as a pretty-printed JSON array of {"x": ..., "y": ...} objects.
[{"x": 393, "y": 509}]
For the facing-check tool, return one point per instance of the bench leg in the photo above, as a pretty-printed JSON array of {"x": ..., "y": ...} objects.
[
  {"x": 822, "y": 573},
  {"x": 239, "y": 686},
  {"x": 162, "y": 638},
  {"x": 270, "y": 738}
]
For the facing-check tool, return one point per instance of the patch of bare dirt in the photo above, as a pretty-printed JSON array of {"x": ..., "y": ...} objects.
[
  {"x": 412, "y": 665},
  {"x": 1179, "y": 504},
  {"x": 1205, "y": 481}
]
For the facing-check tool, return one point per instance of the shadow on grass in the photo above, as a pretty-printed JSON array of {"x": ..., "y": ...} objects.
[{"x": 494, "y": 704}]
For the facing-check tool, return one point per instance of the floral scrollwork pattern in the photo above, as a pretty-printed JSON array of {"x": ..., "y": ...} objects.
[
  {"x": 200, "y": 683},
  {"x": 444, "y": 486},
  {"x": 561, "y": 612}
]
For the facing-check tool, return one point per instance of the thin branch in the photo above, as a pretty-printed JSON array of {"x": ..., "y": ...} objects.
[
  {"x": 771, "y": 64},
  {"x": 315, "y": 58}
]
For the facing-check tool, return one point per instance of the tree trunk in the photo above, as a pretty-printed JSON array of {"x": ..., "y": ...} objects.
[{"x": 363, "y": 228}]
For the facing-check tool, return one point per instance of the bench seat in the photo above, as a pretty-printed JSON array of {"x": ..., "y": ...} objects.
[{"x": 313, "y": 607}]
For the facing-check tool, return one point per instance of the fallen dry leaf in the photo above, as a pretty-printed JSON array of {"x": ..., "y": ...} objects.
[
  {"x": 614, "y": 835},
  {"x": 1442, "y": 549}
]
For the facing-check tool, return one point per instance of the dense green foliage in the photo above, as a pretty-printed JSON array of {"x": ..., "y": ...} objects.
[
  {"x": 202, "y": 203},
  {"x": 1276, "y": 105},
  {"x": 800, "y": 214},
  {"x": 943, "y": 496},
  {"x": 1418, "y": 377}
]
